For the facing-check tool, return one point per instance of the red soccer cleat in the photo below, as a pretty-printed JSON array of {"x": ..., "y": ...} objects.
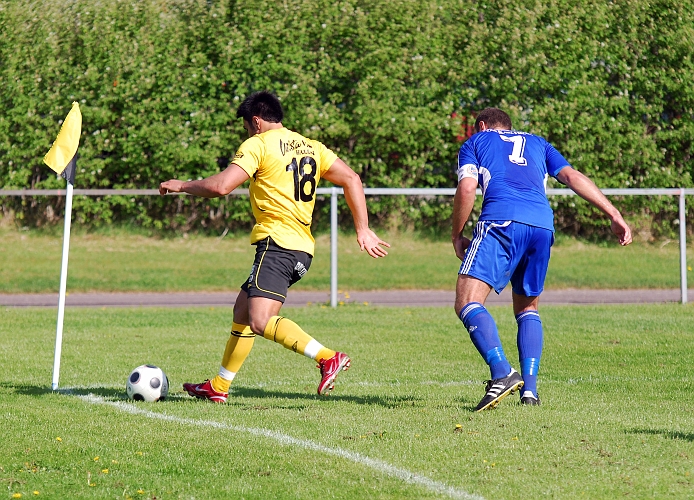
[
  {"x": 205, "y": 391},
  {"x": 329, "y": 368}
]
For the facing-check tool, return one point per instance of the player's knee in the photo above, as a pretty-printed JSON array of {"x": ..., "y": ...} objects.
[
  {"x": 460, "y": 304},
  {"x": 459, "y": 309},
  {"x": 258, "y": 324}
]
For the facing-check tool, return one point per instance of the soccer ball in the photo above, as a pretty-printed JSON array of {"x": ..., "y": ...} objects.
[{"x": 147, "y": 383}]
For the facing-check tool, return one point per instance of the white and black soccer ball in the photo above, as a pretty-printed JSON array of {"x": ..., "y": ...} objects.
[{"x": 147, "y": 383}]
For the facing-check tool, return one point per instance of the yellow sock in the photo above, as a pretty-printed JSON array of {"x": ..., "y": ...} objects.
[
  {"x": 238, "y": 347},
  {"x": 284, "y": 331},
  {"x": 324, "y": 353}
]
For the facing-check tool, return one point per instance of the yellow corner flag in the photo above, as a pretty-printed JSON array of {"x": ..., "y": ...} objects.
[{"x": 65, "y": 146}]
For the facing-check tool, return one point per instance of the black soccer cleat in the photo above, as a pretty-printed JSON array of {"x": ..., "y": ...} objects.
[
  {"x": 498, "y": 389},
  {"x": 528, "y": 398}
]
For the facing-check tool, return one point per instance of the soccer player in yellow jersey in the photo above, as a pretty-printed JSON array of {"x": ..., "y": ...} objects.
[{"x": 284, "y": 169}]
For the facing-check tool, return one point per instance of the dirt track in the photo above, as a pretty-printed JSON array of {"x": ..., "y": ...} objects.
[{"x": 395, "y": 298}]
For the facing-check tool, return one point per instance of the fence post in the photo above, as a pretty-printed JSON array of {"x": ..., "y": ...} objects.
[
  {"x": 683, "y": 249},
  {"x": 333, "y": 247}
]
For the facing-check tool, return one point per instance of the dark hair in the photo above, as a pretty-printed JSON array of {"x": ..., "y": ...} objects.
[
  {"x": 493, "y": 118},
  {"x": 263, "y": 104}
]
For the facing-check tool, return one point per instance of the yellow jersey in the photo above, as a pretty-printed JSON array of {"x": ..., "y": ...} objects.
[{"x": 284, "y": 168}]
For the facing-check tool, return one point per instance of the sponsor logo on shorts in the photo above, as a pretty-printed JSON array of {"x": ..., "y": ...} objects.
[
  {"x": 250, "y": 277},
  {"x": 300, "y": 269}
]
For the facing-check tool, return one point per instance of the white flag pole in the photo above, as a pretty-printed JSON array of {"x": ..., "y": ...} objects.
[
  {"x": 69, "y": 175},
  {"x": 64, "y": 147}
]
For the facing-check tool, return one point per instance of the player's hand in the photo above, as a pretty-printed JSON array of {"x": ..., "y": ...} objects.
[
  {"x": 621, "y": 230},
  {"x": 172, "y": 186},
  {"x": 460, "y": 243},
  {"x": 368, "y": 241}
]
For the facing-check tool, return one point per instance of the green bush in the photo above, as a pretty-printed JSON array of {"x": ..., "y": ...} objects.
[{"x": 392, "y": 86}]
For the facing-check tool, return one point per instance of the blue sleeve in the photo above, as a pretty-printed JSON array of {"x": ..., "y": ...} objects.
[
  {"x": 466, "y": 155},
  {"x": 555, "y": 160}
]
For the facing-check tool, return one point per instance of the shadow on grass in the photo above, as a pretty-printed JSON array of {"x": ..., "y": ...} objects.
[
  {"x": 42, "y": 390},
  {"x": 387, "y": 402},
  {"x": 115, "y": 394},
  {"x": 685, "y": 436},
  {"x": 110, "y": 393}
]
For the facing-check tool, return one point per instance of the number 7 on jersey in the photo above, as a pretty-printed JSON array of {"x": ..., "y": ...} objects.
[{"x": 516, "y": 155}]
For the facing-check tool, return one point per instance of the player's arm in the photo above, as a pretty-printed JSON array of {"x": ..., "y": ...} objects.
[
  {"x": 216, "y": 185},
  {"x": 586, "y": 189},
  {"x": 463, "y": 202},
  {"x": 340, "y": 174}
]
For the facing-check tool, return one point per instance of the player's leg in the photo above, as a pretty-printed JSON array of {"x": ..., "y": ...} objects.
[
  {"x": 528, "y": 283},
  {"x": 471, "y": 294},
  {"x": 237, "y": 349},
  {"x": 484, "y": 268},
  {"x": 238, "y": 346},
  {"x": 277, "y": 269},
  {"x": 266, "y": 321},
  {"x": 529, "y": 341}
]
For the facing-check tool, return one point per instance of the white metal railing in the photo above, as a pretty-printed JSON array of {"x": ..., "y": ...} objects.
[{"x": 334, "y": 192}]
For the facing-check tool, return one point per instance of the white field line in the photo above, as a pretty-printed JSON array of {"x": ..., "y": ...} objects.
[{"x": 378, "y": 465}]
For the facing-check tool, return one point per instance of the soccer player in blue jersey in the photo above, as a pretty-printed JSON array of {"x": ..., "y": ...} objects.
[{"x": 511, "y": 242}]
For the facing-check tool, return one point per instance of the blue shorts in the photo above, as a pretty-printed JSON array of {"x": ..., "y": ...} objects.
[{"x": 503, "y": 251}]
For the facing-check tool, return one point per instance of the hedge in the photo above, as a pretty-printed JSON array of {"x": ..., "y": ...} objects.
[{"x": 392, "y": 86}]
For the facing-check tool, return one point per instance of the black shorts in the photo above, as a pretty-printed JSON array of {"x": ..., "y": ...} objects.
[{"x": 274, "y": 270}]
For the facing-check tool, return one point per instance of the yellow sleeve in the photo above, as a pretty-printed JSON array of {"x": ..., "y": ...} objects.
[
  {"x": 250, "y": 155},
  {"x": 327, "y": 158}
]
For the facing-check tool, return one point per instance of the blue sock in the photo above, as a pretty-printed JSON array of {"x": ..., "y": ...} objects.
[
  {"x": 485, "y": 336},
  {"x": 529, "y": 348}
]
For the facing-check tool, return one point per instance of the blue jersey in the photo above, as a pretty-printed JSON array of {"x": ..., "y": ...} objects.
[{"x": 512, "y": 169}]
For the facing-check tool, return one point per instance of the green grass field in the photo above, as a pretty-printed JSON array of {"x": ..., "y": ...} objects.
[
  {"x": 128, "y": 263},
  {"x": 616, "y": 419}
]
